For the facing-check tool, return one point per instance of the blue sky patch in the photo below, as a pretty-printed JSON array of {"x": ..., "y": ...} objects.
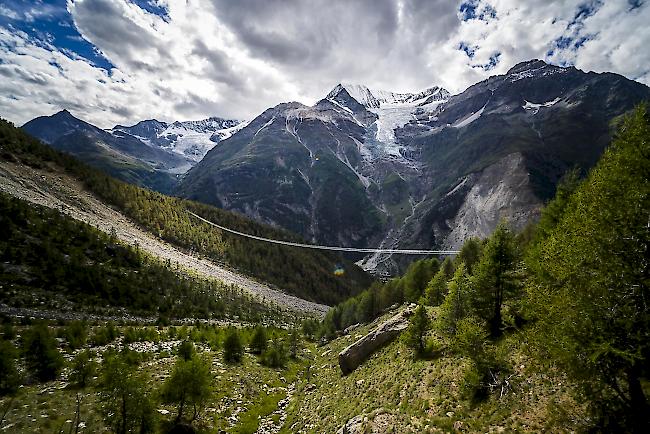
[
  {"x": 153, "y": 7},
  {"x": 48, "y": 22},
  {"x": 491, "y": 64},
  {"x": 469, "y": 50},
  {"x": 472, "y": 10}
]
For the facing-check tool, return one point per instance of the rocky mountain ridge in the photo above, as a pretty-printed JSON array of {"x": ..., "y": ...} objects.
[{"x": 368, "y": 168}]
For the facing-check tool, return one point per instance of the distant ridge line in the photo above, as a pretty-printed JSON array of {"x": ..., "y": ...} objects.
[{"x": 335, "y": 248}]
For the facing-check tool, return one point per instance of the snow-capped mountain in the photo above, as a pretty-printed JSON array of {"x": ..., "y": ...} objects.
[
  {"x": 363, "y": 167},
  {"x": 191, "y": 139},
  {"x": 393, "y": 110},
  {"x": 373, "y": 99}
]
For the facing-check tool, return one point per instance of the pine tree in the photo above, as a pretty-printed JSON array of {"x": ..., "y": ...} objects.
[
  {"x": 259, "y": 341},
  {"x": 9, "y": 376},
  {"x": 436, "y": 289},
  {"x": 82, "y": 368},
  {"x": 123, "y": 398},
  {"x": 233, "y": 349},
  {"x": 419, "y": 325},
  {"x": 457, "y": 302},
  {"x": 190, "y": 384},
  {"x": 470, "y": 253},
  {"x": 493, "y": 278},
  {"x": 417, "y": 276},
  {"x": 41, "y": 353}
]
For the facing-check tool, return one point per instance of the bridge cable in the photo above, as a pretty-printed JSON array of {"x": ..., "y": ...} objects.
[{"x": 335, "y": 248}]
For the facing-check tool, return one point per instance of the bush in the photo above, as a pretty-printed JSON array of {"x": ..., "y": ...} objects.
[
  {"x": 310, "y": 328},
  {"x": 9, "y": 376},
  {"x": 104, "y": 335},
  {"x": 189, "y": 385},
  {"x": 276, "y": 355},
  {"x": 488, "y": 369},
  {"x": 125, "y": 403},
  {"x": 82, "y": 369},
  {"x": 186, "y": 350},
  {"x": 76, "y": 334},
  {"x": 295, "y": 343},
  {"x": 233, "y": 350},
  {"x": 259, "y": 341},
  {"x": 42, "y": 357}
]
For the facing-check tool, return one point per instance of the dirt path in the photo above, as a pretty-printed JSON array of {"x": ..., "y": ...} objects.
[{"x": 62, "y": 192}]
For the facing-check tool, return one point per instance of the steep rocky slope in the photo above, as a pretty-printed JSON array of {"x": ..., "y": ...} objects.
[{"x": 60, "y": 191}]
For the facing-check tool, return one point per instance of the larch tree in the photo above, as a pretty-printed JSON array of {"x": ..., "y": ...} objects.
[{"x": 590, "y": 295}]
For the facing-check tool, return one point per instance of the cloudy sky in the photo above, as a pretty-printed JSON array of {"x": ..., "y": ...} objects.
[{"x": 120, "y": 61}]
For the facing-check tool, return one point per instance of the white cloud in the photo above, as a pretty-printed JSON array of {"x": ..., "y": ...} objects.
[{"x": 214, "y": 57}]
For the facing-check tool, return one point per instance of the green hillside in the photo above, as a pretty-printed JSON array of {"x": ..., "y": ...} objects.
[{"x": 306, "y": 274}]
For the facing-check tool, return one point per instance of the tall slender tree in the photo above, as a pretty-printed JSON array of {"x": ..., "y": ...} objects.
[{"x": 493, "y": 281}]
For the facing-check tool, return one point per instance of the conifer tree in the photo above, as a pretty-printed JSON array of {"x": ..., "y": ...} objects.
[
  {"x": 124, "y": 401},
  {"x": 259, "y": 340},
  {"x": 493, "y": 278},
  {"x": 457, "y": 302},
  {"x": 9, "y": 375},
  {"x": 419, "y": 325},
  {"x": 233, "y": 349},
  {"x": 436, "y": 289},
  {"x": 590, "y": 296},
  {"x": 41, "y": 353},
  {"x": 190, "y": 385}
]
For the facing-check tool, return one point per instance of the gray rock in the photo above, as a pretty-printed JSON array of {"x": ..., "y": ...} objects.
[{"x": 353, "y": 355}]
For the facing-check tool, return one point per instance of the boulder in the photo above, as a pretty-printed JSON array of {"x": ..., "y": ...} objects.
[
  {"x": 353, "y": 355},
  {"x": 352, "y": 426}
]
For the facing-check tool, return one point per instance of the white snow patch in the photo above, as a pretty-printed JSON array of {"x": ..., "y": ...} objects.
[
  {"x": 535, "y": 107},
  {"x": 264, "y": 126},
  {"x": 469, "y": 119},
  {"x": 391, "y": 117},
  {"x": 459, "y": 186},
  {"x": 190, "y": 139}
]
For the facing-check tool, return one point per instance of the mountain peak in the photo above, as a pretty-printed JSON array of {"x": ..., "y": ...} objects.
[
  {"x": 527, "y": 66},
  {"x": 62, "y": 114},
  {"x": 374, "y": 98}
]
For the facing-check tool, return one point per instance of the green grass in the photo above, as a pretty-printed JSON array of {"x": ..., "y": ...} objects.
[
  {"x": 249, "y": 384},
  {"x": 415, "y": 395}
]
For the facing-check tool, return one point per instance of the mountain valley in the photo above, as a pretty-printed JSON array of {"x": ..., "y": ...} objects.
[{"x": 121, "y": 311}]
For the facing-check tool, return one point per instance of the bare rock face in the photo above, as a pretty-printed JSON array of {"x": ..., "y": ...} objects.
[
  {"x": 352, "y": 356},
  {"x": 502, "y": 191}
]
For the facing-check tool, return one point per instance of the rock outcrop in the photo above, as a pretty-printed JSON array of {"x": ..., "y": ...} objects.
[{"x": 353, "y": 355}]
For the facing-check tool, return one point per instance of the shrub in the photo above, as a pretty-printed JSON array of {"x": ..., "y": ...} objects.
[
  {"x": 42, "y": 357},
  {"x": 82, "y": 369},
  {"x": 186, "y": 350},
  {"x": 104, "y": 335},
  {"x": 259, "y": 341},
  {"x": 233, "y": 350},
  {"x": 9, "y": 376},
  {"x": 76, "y": 334},
  {"x": 276, "y": 355}
]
